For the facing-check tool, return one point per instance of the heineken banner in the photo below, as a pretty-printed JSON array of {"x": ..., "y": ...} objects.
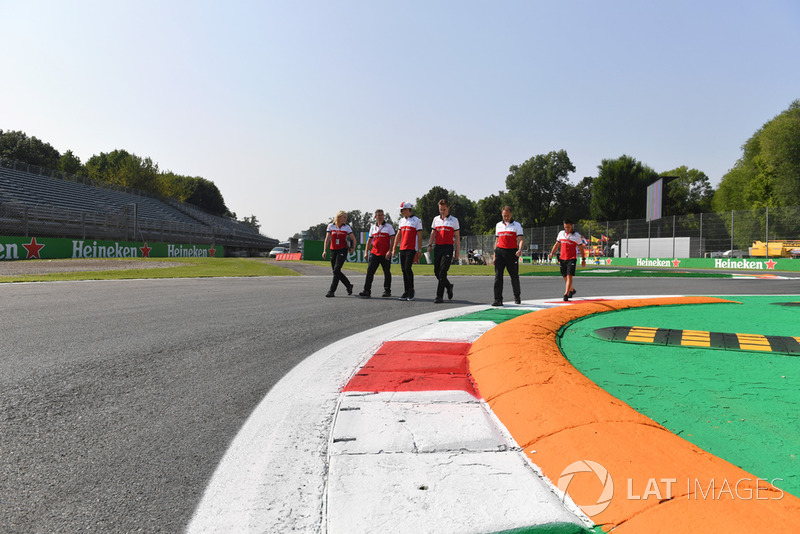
[
  {"x": 747, "y": 264},
  {"x": 40, "y": 248}
]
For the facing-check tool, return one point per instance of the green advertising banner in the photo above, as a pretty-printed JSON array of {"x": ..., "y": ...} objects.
[
  {"x": 312, "y": 250},
  {"x": 41, "y": 248},
  {"x": 747, "y": 264}
]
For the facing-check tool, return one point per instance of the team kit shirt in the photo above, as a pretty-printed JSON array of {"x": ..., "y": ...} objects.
[
  {"x": 569, "y": 245},
  {"x": 381, "y": 238},
  {"x": 445, "y": 229},
  {"x": 408, "y": 228},
  {"x": 507, "y": 234},
  {"x": 339, "y": 235}
]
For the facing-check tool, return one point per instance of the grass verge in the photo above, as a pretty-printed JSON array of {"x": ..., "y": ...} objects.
[{"x": 183, "y": 268}]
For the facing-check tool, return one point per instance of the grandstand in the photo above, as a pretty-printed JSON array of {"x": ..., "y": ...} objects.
[{"x": 41, "y": 202}]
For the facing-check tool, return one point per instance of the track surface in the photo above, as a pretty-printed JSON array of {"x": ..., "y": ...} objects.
[{"x": 118, "y": 399}]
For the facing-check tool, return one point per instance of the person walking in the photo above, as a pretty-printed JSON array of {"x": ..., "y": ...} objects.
[
  {"x": 507, "y": 251},
  {"x": 570, "y": 241},
  {"x": 380, "y": 236},
  {"x": 407, "y": 237},
  {"x": 338, "y": 235},
  {"x": 446, "y": 240}
]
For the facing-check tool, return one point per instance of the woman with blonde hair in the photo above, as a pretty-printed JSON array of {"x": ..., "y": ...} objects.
[{"x": 338, "y": 235}]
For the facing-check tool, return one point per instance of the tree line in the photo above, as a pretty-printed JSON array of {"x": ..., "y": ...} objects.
[
  {"x": 120, "y": 168},
  {"x": 539, "y": 192}
]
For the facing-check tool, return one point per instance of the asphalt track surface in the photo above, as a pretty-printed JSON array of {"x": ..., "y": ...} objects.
[{"x": 118, "y": 399}]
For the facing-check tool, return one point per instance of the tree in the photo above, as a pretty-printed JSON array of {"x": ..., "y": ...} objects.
[
  {"x": 251, "y": 221},
  {"x": 690, "y": 192},
  {"x": 17, "y": 146},
  {"x": 359, "y": 222},
  {"x": 461, "y": 207},
  {"x": 620, "y": 189},
  {"x": 574, "y": 201},
  {"x": 205, "y": 195},
  {"x": 122, "y": 168},
  {"x": 768, "y": 173},
  {"x": 535, "y": 185},
  {"x": 488, "y": 213},
  {"x": 427, "y": 206},
  {"x": 317, "y": 232},
  {"x": 70, "y": 163}
]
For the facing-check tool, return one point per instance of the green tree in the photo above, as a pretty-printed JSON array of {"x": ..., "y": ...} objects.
[
  {"x": 535, "y": 186},
  {"x": 461, "y": 207},
  {"x": 359, "y": 221},
  {"x": 205, "y": 195},
  {"x": 426, "y": 207},
  {"x": 122, "y": 168},
  {"x": 620, "y": 189},
  {"x": 768, "y": 173},
  {"x": 690, "y": 192},
  {"x": 317, "y": 232},
  {"x": 251, "y": 221},
  {"x": 17, "y": 146},
  {"x": 488, "y": 213},
  {"x": 70, "y": 163},
  {"x": 574, "y": 201}
]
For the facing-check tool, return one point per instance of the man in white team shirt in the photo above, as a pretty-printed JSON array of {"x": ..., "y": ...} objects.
[
  {"x": 407, "y": 238},
  {"x": 507, "y": 251},
  {"x": 446, "y": 235},
  {"x": 570, "y": 241},
  {"x": 338, "y": 236},
  {"x": 380, "y": 236}
]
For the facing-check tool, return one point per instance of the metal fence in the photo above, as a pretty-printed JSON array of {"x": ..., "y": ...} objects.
[{"x": 712, "y": 234}]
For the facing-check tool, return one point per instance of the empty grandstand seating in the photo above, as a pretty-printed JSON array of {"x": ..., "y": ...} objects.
[{"x": 48, "y": 203}]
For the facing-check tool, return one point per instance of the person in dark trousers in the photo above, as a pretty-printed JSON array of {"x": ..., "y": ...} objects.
[
  {"x": 570, "y": 241},
  {"x": 446, "y": 236},
  {"x": 407, "y": 238},
  {"x": 507, "y": 251},
  {"x": 338, "y": 235},
  {"x": 380, "y": 236}
]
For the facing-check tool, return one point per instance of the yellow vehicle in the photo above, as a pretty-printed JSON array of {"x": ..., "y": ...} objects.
[{"x": 777, "y": 249}]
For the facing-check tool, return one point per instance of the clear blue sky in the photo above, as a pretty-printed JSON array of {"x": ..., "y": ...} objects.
[{"x": 296, "y": 109}]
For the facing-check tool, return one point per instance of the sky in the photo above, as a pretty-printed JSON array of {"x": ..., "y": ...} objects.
[{"x": 296, "y": 109}]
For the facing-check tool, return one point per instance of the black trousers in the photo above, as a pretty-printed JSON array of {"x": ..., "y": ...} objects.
[
  {"x": 406, "y": 261},
  {"x": 375, "y": 261},
  {"x": 506, "y": 258},
  {"x": 338, "y": 257},
  {"x": 442, "y": 257}
]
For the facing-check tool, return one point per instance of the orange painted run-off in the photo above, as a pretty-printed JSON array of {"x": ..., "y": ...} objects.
[
  {"x": 415, "y": 366},
  {"x": 662, "y": 483}
]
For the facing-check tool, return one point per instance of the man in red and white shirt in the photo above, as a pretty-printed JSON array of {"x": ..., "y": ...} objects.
[
  {"x": 340, "y": 237},
  {"x": 507, "y": 251},
  {"x": 407, "y": 238},
  {"x": 380, "y": 236},
  {"x": 570, "y": 241},
  {"x": 446, "y": 235}
]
